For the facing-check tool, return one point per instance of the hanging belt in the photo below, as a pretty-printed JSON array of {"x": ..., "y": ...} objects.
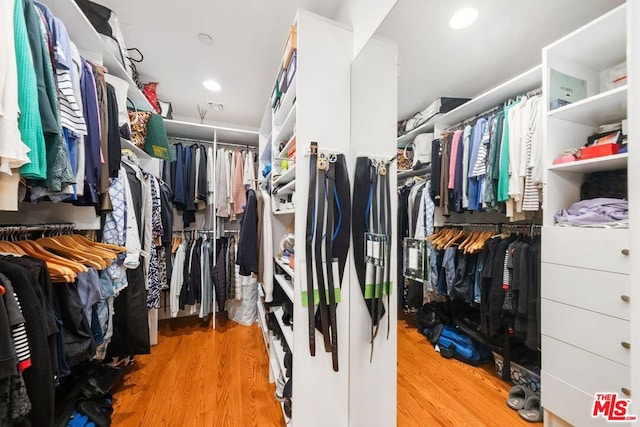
[
  {"x": 387, "y": 224},
  {"x": 319, "y": 230},
  {"x": 375, "y": 229},
  {"x": 328, "y": 245},
  {"x": 308, "y": 243},
  {"x": 360, "y": 225},
  {"x": 372, "y": 233}
]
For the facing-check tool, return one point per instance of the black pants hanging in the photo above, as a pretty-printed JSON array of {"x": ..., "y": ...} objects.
[{"x": 130, "y": 322}]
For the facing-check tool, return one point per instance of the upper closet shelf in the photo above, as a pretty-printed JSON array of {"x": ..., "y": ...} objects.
[
  {"x": 286, "y": 106},
  {"x": 288, "y": 176},
  {"x": 283, "y": 154},
  {"x": 518, "y": 85},
  {"x": 426, "y": 127},
  {"x": 603, "y": 108},
  {"x": 286, "y": 267},
  {"x": 181, "y": 129},
  {"x": 286, "y": 130},
  {"x": 89, "y": 41},
  {"x": 605, "y": 163},
  {"x": 598, "y": 45},
  {"x": 128, "y": 145},
  {"x": 286, "y": 285}
]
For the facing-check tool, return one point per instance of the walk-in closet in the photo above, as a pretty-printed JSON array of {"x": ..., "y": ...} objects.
[{"x": 423, "y": 207}]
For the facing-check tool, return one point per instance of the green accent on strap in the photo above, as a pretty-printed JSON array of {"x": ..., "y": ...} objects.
[
  {"x": 316, "y": 297},
  {"x": 368, "y": 290}
]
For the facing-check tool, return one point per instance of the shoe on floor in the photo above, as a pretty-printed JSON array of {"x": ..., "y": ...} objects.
[
  {"x": 532, "y": 410},
  {"x": 518, "y": 395}
]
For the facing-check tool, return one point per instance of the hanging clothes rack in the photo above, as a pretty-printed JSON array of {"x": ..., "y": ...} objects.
[
  {"x": 21, "y": 230},
  {"x": 495, "y": 109}
]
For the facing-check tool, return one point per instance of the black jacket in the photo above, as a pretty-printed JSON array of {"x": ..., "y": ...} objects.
[{"x": 247, "y": 257}]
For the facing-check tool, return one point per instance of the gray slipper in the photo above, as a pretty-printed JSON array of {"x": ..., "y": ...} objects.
[
  {"x": 532, "y": 410},
  {"x": 518, "y": 395}
]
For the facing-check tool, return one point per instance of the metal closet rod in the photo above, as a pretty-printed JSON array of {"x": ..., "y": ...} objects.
[
  {"x": 202, "y": 141},
  {"x": 491, "y": 224},
  {"x": 37, "y": 227}
]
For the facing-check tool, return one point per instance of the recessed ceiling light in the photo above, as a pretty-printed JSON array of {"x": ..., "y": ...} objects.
[
  {"x": 205, "y": 38},
  {"x": 463, "y": 18},
  {"x": 212, "y": 85}
]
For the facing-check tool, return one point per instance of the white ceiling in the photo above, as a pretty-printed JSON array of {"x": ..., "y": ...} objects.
[
  {"x": 506, "y": 39},
  {"x": 248, "y": 37}
]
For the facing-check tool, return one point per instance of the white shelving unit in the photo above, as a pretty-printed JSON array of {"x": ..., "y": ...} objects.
[
  {"x": 286, "y": 285},
  {"x": 616, "y": 161},
  {"x": 285, "y": 267},
  {"x": 286, "y": 330},
  {"x": 585, "y": 272},
  {"x": 426, "y": 127},
  {"x": 606, "y": 107},
  {"x": 288, "y": 176},
  {"x": 315, "y": 107},
  {"x": 90, "y": 44},
  {"x": 197, "y": 131}
]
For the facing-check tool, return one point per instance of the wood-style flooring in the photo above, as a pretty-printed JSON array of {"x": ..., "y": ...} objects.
[{"x": 199, "y": 377}]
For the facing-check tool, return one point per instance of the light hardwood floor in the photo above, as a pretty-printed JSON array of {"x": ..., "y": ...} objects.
[{"x": 199, "y": 377}]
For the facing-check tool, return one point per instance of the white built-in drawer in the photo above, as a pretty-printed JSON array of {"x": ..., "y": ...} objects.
[
  {"x": 594, "y": 332},
  {"x": 594, "y": 248},
  {"x": 601, "y": 291},
  {"x": 586, "y": 371},
  {"x": 569, "y": 403}
]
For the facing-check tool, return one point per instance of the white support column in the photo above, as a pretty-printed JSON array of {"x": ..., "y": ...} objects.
[
  {"x": 320, "y": 395},
  {"x": 374, "y": 94}
]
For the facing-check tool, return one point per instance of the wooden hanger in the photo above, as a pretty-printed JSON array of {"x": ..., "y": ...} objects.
[
  {"x": 114, "y": 248},
  {"x": 470, "y": 238},
  {"x": 36, "y": 250},
  {"x": 81, "y": 245},
  {"x": 61, "y": 269},
  {"x": 11, "y": 248},
  {"x": 79, "y": 256},
  {"x": 455, "y": 238}
]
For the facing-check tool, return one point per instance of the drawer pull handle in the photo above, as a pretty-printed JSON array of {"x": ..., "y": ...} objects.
[
  {"x": 625, "y": 251},
  {"x": 625, "y": 344},
  {"x": 626, "y": 391},
  {"x": 625, "y": 298}
]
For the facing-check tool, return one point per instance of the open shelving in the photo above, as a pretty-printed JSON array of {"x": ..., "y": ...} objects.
[
  {"x": 286, "y": 330},
  {"x": 286, "y": 286},
  {"x": 286, "y": 105},
  {"x": 613, "y": 162},
  {"x": 282, "y": 154},
  {"x": 285, "y": 212},
  {"x": 232, "y": 135},
  {"x": 286, "y": 131},
  {"x": 522, "y": 83},
  {"x": 286, "y": 189},
  {"x": 91, "y": 45},
  {"x": 288, "y": 176},
  {"x": 426, "y": 127},
  {"x": 605, "y": 107},
  {"x": 286, "y": 267},
  {"x": 317, "y": 106}
]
